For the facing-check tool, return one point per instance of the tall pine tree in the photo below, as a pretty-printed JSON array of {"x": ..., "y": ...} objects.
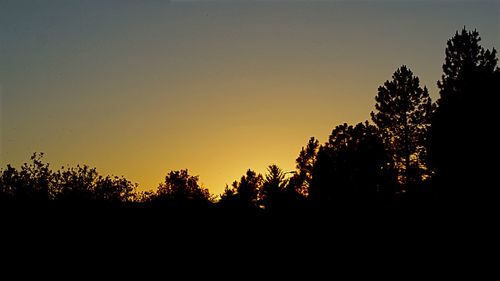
[
  {"x": 463, "y": 133},
  {"x": 403, "y": 117}
]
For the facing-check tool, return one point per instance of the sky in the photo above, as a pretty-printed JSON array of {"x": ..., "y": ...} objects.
[{"x": 140, "y": 88}]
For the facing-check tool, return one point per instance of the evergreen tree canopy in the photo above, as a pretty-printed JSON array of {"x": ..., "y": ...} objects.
[
  {"x": 353, "y": 163},
  {"x": 403, "y": 117},
  {"x": 463, "y": 133}
]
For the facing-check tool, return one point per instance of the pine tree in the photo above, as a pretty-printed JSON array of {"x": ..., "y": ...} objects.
[
  {"x": 403, "y": 118},
  {"x": 305, "y": 164},
  {"x": 463, "y": 133}
]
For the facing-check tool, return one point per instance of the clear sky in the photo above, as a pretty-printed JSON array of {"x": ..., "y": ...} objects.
[{"x": 139, "y": 88}]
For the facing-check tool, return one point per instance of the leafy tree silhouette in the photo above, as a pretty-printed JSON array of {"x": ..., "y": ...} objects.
[
  {"x": 114, "y": 189},
  {"x": 181, "y": 190},
  {"x": 403, "y": 117},
  {"x": 31, "y": 183},
  {"x": 8, "y": 183},
  {"x": 143, "y": 197},
  {"x": 83, "y": 183},
  {"x": 352, "y": 164},
  {"x": 75, "y": 184},
  {"x": 35, "y": 182},
  {"x": 463, "y": 126}
]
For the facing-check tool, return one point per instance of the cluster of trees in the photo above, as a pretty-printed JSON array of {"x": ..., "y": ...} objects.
[
  {"x": 36, "y": 182},
  {"x": 413, "y": 148}
]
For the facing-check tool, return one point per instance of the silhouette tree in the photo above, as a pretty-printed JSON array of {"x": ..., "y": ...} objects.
[
  {"x": 143, "y": 197},
  {"x": 352, "y": 164},
  {"x": 464, "y": 57},
  {"x": 463, "y": 126},
  {"x": 114, "y": 189},
  {"x": 273, "y": 194},
  {"x": 8, "y": 183},
  {"x": 305, "y": 164},
  {"x": 244, "y": 194},
  {"x": 83, "y": 183},
  {"x": 36, "y": 182},
  {"x": 182, "y": 190},
  {"x": 32, "y": 183},
  {"x": 75, "y": 184},
  {"x": 403, "y": 117},
  {"x": 228, "y": 198}
]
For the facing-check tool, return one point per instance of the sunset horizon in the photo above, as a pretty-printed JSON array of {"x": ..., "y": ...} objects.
[{"x": 140, "y": 89}]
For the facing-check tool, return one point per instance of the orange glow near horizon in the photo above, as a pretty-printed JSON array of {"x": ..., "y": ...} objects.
[{"x": 216, "y": 88}]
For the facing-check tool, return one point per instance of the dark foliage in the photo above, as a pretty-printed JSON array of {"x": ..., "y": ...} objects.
[
  {"x": 181, "y": 190},
  {"x": 273, "y": 194},
  {"x": 305, "y": 165},
  {"x": 244, "y": 194},
  {"x": 353, "y": 164},
  {"x": 36, "y": 182},
  {"x": 464, "y": 144},
  {"x": 403, "y": 118}
]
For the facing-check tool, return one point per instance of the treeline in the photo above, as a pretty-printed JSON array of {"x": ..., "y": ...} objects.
[{"x": 413, "y": 150}]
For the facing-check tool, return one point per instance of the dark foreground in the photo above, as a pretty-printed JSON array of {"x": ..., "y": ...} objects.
[
  {"x": 394, "y": 221},
  {"x": 411, "y": 238}
]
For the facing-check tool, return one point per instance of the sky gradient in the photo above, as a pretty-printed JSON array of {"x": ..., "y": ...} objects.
[{"x": 141, "y": 88}]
